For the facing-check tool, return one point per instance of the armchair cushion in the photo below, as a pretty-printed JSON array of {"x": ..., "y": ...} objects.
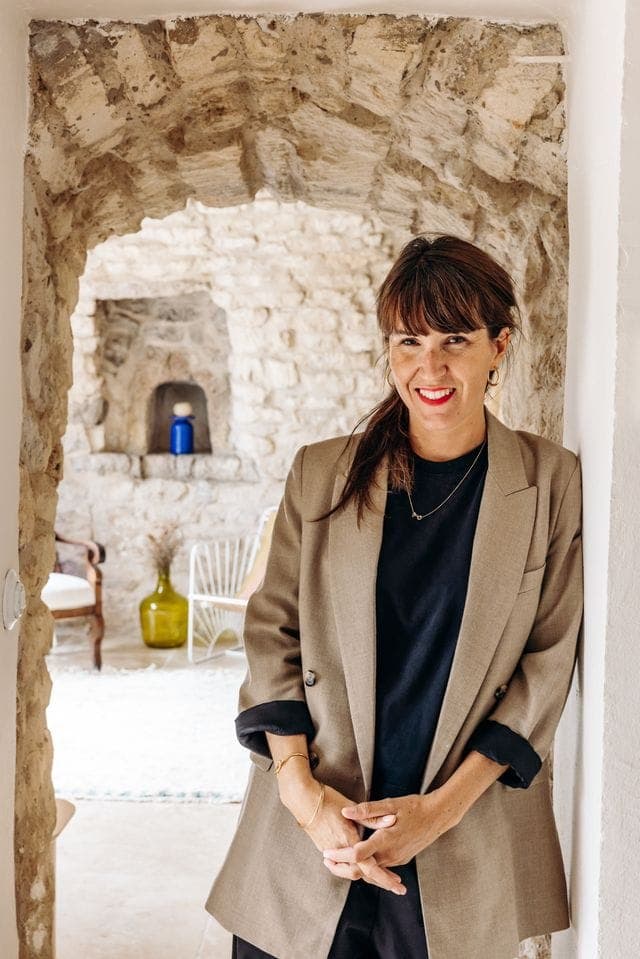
[{"x": 63, "y": 591}]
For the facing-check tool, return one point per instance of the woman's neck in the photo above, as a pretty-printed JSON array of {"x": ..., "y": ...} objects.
[{"x": 440, "y": 445}]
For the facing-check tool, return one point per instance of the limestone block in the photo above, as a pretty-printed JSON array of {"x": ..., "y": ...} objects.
[
  {"x": 236, "y": 244},
  {"x": 55, "y": 167},
  {"x": 222, "y": 469},
  {"x": 105, "y": 464},
  {"x": 203, "y": 55},
  {"x": 250, "y": 368},
  {"x": 76, "y": 87},
  {"x": 320, "y": 317},
  {"x": 517, "y": 89},
  {"x": 263, "y": 45},
  {"x": 255, "y": 445},
  {"x": 361, "y": 343},
  {"x": 320, "y": 341},
  {"x": 432, "y": 127},
  {"x": 370, "y": 386},
  {"x": 280, "y": 374},
  {"x": 143, "y": 68},
  {"x": 339, "y": 157},
  {"x": 396, "y": 194},
  {"x": 379, "y": 54},
  {"x": 544, "y": 164},
  {"x": 433, "y": 216},
  {"x": 330, "y": 383},
  {"x": 96, "y": 437},
  {"x": 278, "y": 162},
  {"x": 36, "y": 442}
]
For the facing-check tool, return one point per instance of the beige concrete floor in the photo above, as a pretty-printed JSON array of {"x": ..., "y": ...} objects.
[{"x": 132, "y": 878}]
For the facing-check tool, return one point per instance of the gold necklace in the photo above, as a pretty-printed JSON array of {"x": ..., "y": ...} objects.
[{"x": 415, "y": 515}]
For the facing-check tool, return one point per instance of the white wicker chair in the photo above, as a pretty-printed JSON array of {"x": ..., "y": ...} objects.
[{"x": 222, "y": 575}]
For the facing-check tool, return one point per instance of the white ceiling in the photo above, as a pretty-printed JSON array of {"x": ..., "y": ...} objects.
[{"x": 518, "y": 10}]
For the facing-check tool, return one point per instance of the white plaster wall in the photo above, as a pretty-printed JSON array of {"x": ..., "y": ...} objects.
[
  {"x": 619, "y": 933},
  {"x": 12, "y": 141},
  {"x": 595, "y": 35}
]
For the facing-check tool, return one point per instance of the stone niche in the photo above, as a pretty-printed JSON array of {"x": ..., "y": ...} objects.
[
  {"x": 143, "y": 342},
  {"x": 404, "y": 124},
  {"x": 160, "y": 417}
]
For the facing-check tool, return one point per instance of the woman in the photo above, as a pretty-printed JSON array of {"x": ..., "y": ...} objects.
[{"x": 409, "y": 655}]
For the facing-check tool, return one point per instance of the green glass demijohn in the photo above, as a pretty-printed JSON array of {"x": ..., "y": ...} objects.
[{"x": 164, "y": 614}]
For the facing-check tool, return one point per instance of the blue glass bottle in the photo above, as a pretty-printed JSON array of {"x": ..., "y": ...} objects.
[{"x": 181, "y": 437}]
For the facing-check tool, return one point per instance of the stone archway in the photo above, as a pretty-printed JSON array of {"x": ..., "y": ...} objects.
[{"x": 435, "y": 124}]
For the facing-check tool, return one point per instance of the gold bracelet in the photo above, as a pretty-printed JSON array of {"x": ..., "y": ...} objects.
[
  {"x": 280, "y": 763},
  {"x": 315, "y": 812}
]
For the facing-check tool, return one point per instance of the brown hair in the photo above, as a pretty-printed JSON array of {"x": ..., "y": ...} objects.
[{"x": 446, "y": 284}]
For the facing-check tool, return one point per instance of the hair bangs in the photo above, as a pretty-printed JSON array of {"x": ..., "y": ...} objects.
[{"x": 423, "y": 300}]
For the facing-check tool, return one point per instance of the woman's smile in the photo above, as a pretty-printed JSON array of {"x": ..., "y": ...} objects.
[{"x": 435, "y": 397}]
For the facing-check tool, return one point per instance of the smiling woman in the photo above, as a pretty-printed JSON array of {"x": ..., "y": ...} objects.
[
  {"x": 447, "y": 373},
  {"x": 409, "y": 656}
]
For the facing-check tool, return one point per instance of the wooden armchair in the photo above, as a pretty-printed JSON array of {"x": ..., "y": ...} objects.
[{"x": 68, "y": 595}]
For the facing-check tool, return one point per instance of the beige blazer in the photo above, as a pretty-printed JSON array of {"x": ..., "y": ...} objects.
[{"x": 498, "y": 876}]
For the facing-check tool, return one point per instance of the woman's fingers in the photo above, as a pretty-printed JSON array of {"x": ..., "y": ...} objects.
[
  {"x": 379, "y": 822},
  {"x": 359, "y": 852},
  {"x": 369, "y": 871},
  {"x": 344, "y": 869},
  {"x": 371, "y": 809},
  {"x": 382, "y": 876}
]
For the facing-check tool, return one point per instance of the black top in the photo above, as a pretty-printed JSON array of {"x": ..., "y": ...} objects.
[{"x": 421, "y": 586}]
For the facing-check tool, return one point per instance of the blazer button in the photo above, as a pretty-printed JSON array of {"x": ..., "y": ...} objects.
[
  {"x": 309, "y": 677},
  {"x": 500, "y": 691}
]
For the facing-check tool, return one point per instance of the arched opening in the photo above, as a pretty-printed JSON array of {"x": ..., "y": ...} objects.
[{"x": 439, "y": 125}]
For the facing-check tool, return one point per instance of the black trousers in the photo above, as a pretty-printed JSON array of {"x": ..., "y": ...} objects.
[{"x": 374, "y": 923}]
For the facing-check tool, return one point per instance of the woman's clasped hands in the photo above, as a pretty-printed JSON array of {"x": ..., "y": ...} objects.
[
  {"x": 330, "y": 827},
  {"x": 403, "y": 826},
  {"x": 418, "y": 820}
]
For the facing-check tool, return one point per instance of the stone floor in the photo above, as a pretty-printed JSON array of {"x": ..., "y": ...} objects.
[{"x": 132, "y": 878}]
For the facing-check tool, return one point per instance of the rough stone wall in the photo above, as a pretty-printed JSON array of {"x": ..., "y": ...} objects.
[
  {"x": 291, "y": 295},
  {"x": 432, "y": 124}
]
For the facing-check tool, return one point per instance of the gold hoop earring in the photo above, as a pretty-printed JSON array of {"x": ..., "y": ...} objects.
[{"x": 491, "y": 382}]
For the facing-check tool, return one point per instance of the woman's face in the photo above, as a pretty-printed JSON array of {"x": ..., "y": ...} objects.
[{"x": 457, "y": 362}]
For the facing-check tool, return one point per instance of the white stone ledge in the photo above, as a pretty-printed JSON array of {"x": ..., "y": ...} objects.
[{"x": 217, "y": 467}]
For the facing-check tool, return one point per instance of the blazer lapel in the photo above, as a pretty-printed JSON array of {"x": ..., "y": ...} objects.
[
  {"x": 498, "y": 557},
  {"x": 353, "y": 561}
]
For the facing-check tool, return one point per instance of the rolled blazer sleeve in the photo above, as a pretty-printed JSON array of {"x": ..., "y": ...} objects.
[
  {"x": 520, "y": 729},
  {"x": 271, "y": 697},
  {"x": 501, "y": 744}
]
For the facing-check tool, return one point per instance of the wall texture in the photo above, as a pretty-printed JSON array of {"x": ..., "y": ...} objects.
[
  {"x": 270, "y": 307},
  {"x": 431, "y": 124}
]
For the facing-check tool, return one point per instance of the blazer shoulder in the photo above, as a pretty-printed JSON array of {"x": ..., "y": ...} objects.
[
  {"x": 320, "y": 464},
  {"x": 325, "y": 454},
  {"x": 545, "y": 458}
]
